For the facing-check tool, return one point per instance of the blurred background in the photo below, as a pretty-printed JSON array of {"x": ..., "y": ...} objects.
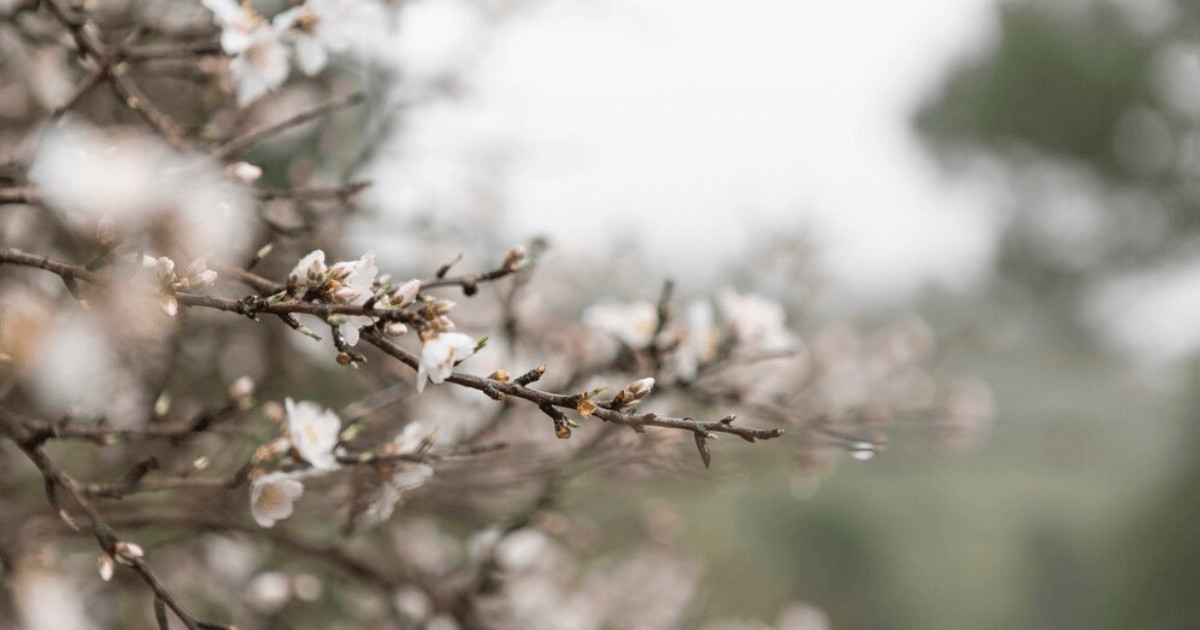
[
  {"x": 1025, "y": 175},
  {"x": 1022, "y": 176}
]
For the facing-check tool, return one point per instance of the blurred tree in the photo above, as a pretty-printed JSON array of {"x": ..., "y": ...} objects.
[{"x": 1092, "y": 110}]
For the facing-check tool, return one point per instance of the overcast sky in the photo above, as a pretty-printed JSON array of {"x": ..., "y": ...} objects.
[{"x": 699, "y": 126}]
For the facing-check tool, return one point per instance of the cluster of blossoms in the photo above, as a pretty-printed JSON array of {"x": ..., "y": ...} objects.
[
  {"x": 314, "y": 435},
  {"x": 258, "y": 48},
  {"x": 358, "y": 283},
  {"x": 132, "y": 189},
  {"x": 197, "y": 275},
  {"x": 753, "y": 324}
]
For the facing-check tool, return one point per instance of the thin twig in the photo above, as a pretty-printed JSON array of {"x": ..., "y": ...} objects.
[
  {"x": 108, "y": 540},
  {"x": 255, "y": 136}
]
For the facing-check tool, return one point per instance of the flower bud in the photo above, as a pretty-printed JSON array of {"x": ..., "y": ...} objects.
[
  {"x": 640, "y": 388},
  {"x": 347, "y": 294},
  {"x": 244, "y": 172},
  {"x": 206, "y": 278},
  {"x": 241, "y": 388},
  {"x": 515, "y": 258},
  {"x": 395, "y": 329},
  {"x": 105, "y": 565},
  {"x": 633, "y": 392},
  {"x": 441, "y": 307},
  {"x": 164, "y": 266},
  {"x": 406, "y": 294},
  {"x": 274, "y": 411},
  {"x": 128, "y": 550},
  {"x": 169, "y": 305},
  {"x": 342, "y": 270}
]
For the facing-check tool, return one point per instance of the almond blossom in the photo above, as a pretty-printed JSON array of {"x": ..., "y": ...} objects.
[
  {"x": 309, "y": 273},
  {"x": 757, "y": 322},
  {"x": 272, "y": 497},
  {"x": 353, "y": 281},
  {"x": 632, "y": 323},
  {"x": 439, "y": 354},
  {"x": 314, "y": 432},
  {"x": 259, "y": 61},
  {"x": 316, "y": 28}
]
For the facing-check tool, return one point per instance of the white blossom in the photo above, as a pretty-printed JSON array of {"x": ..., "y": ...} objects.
[
  {"x": 439, "y": 354},
  {"x": 269, "y": 591},
  {"x": 697, "y": 340},
  {"x": 410, "y": 439},
  {"x": 244, "y": 172},
  {"x": 359, "y": 277},
  {"x": 125, "y": 182},
  {"x": 391, "y": 493},
  {"x": 259, "y": 60},
  {"x": 237, "y": 22},
  {"x": 261, "y": 66},
  {"x": 757, "y": 322},
  {"x": 272, "y": 497},
  {"x": 310, "y": 272},
  {"x": 314, "y": 432},
  {"x": 315, "y": 29},
  {"x": 406, "y": 294},
  {"x": 631, "y": 323},
  {"x": 105, "y": 565}
]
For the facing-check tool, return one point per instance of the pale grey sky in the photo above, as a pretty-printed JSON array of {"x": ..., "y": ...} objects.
[{"x": 699, "y": 125}]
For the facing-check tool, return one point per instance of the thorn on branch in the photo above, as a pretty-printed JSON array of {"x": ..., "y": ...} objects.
[
  {"x": 702, "y": 446},
  {"x": 445, "y": 269}
]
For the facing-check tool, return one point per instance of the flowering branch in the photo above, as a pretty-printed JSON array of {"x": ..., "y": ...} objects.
[{"x": 127, "y": 553}]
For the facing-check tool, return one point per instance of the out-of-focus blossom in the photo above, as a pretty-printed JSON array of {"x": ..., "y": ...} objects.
[
  {"x": 964, "y": 414},
  {"x": 50, "y": 76},
  {"x": 244, "y": 172},
  {"x": 632, "y": 323},
  {"x": 261, "y": 66},
  {"x": 757, "y": 322},
  {"x": 45, "y": 598},
  {"x": 139, "y": 187},
  {"x": 269, "y": 591},
  {"x": 395, "y": 487},
  {"x": 412, "y": 437},
  {"x": 242, "y": 388},
  {"x": 307, "y": 587},
  {"x": 105, "y": 566},
  {"x": 75, "y": 366},
  {"x": 438, "y": 355},
  {"x": 698, "y": 339},
  {"x": 803, "y": 616},
  {"x": 230, "y": 557},
  {"x": 314, "y": 432},
  {"x": 237, "y": 21},
  {"x": 259, "y": 61},
  {"x": 272, "y": 497},
  {"x": 315, "y": 29}
]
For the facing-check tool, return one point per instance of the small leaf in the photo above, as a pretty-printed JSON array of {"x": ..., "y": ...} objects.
[{"x": 481, "y": 344}]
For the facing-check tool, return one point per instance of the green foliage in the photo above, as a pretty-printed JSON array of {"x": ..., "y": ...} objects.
[{"x": 1057, "y": 85}]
